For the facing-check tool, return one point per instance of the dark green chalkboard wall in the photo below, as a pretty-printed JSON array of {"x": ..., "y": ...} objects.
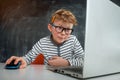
[{"x": 24, "y": 22}]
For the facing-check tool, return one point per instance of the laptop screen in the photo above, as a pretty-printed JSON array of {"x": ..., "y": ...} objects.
[{"x": 102, "y": 41}]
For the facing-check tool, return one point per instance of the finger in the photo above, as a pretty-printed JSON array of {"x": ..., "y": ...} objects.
[
  {"x": 54, "y": 57},
  {"x": 22, "y": 66},
  {"x": 50, "y": 62},
  {"x": 10, "y": 59},
  {"x": 17, "y": 60},
  {"x": 23, "y": 63}
]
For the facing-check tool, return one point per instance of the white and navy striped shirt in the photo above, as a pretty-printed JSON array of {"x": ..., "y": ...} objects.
[{"x": 70, "y": 50}]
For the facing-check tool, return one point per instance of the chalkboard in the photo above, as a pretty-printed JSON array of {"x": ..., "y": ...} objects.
[
  {"x": 24, "y": 22},
  {"x": 117, "y": 2}
]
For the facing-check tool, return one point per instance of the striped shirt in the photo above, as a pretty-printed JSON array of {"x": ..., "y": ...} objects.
[{"x": 70, "y": 50}]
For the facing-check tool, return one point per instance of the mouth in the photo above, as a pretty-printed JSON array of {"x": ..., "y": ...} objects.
[{"x": 61, "y": 38}]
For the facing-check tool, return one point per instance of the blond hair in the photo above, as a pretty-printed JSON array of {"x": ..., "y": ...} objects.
[{"x": 64, "y": 15}]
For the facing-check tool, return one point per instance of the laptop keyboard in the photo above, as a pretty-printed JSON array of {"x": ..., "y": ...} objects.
[
  {"x": 73, "y": 69},
  {"x": 70, "y": 70}
]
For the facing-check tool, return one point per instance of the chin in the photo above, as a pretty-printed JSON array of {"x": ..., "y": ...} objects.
[{"x": 60, "y": 42}]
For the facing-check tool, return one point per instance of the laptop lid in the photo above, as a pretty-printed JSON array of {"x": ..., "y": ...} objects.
[{"x": 102, "y": 41}]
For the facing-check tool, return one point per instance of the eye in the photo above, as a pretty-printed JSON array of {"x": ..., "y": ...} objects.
[
  {"x": 59, "y": 27},
  {"x": 68, "y": 30}
]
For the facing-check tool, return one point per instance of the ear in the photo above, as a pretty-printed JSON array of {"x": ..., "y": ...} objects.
[{"x": 49, "y": 27}]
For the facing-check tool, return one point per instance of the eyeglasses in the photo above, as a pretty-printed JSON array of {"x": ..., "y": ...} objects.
[{"x": 60, "y": 29}]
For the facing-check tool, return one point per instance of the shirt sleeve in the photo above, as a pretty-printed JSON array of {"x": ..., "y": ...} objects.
[
  {"x": 31, "y": 55},
  {"x": 78, "y": 54}
]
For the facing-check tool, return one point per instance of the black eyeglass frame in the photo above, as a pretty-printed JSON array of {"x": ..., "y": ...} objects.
[{"x": 62, "y": 28}]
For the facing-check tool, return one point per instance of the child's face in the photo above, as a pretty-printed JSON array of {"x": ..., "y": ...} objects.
[{"x": 60, "y": 31}]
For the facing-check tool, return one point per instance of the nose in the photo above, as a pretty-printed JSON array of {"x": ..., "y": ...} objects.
[{"x": 63, "y": 31}]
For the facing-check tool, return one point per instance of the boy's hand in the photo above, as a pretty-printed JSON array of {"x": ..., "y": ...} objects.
[
  {"x": 17, "y": 59},
  {"x": 58, "y": 61}
]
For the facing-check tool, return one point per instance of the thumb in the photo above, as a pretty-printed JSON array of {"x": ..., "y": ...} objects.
[
  {"x": 54, "y": 57},
  {"x": 22, "y": 66}
]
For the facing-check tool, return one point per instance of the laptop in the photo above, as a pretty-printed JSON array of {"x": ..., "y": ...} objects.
[{"x": 102, "y": 42}]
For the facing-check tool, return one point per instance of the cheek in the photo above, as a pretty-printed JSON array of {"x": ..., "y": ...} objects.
[{"x": 55, "y": 35}]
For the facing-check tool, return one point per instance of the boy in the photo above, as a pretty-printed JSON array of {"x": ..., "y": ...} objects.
[{"x": 60, "y": 48}]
